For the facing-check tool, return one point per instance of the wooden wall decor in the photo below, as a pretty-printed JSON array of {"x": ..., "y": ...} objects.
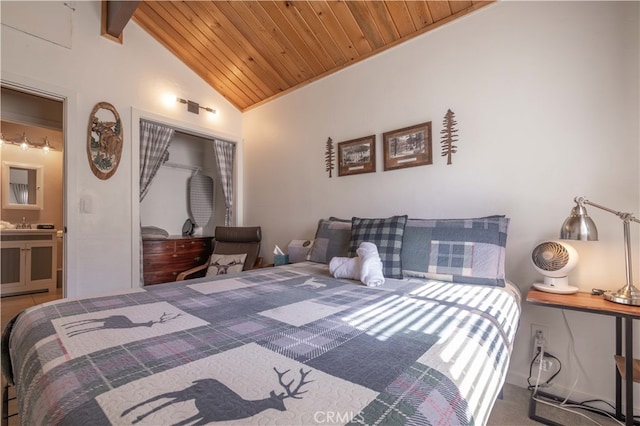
[
  {"x": 329, "y": 157},
  {"x": 104, "y": 140},
  {"x": 449, "y": 136}
]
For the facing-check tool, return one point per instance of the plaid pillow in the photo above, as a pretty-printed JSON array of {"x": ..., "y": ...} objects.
[
  {"x": 332, "y": 239},
  {"x": 386, "y": 234},
  {"x": 470, "y": 251}
]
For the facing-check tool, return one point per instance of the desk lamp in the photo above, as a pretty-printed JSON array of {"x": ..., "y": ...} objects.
[{"x": 579, "y": 226}]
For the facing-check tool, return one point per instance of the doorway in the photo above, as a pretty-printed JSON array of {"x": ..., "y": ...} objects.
[
  {"x": 193, "y": 151},
  {"x": 32, "y": 215}
]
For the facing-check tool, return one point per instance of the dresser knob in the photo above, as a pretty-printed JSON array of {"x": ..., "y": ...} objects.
[
  {"x": 174, "y": 255},
  {"x": 197, "y": 259},
  {"x": 174, "y": 273}
]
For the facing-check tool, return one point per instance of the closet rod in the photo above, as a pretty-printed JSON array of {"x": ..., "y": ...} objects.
[{"x": 181, "y": 166}]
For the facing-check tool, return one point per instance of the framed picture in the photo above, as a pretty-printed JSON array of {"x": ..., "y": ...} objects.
[
  {"x": 357, "y": 156},
  {"x": 408, "y": 147}
]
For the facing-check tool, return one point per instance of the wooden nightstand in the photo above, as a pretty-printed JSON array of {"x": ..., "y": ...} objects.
[{"x": 586, "y": 302}]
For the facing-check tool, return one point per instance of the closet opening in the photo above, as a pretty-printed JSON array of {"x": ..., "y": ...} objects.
[{"x": 181, "y": 208}]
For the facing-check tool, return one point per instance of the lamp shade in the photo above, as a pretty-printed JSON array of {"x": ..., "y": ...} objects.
[{"x": 579, "y": 226}]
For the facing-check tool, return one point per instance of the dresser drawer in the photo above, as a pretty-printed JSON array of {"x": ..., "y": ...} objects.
[
  {"x": 193, "y": 247},
  {"x": 163, "y": 260},
  {"x": 172, "y": 262},
  {"x": 159, "y": 277},
  {"x": 158, "y": 247}
]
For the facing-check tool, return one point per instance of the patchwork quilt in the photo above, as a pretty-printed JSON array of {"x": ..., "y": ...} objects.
[{"x": 289, "y": 345}]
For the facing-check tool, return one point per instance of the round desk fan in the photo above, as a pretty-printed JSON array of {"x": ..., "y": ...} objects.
[{"x": 554, "y": 260}]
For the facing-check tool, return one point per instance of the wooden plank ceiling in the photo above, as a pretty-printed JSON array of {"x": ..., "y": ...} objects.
[{"x": 253, "y": 51}]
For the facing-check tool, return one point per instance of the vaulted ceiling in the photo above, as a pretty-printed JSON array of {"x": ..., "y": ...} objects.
[{"x": 253, "y": 51}]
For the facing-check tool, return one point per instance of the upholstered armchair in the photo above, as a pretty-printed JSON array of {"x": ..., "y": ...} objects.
[{"x": 233, "y": 245}]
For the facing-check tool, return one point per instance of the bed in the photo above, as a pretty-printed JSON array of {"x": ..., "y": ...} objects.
[{"x": 285, "y": 345}]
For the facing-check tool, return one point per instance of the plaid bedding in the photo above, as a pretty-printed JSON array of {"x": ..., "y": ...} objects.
[{"x": 288, "y": 345}]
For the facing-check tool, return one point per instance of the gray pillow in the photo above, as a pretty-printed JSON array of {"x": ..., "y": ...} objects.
[
  {"x": 332, "y": 239},
  {"x": 153, "y": 233}
]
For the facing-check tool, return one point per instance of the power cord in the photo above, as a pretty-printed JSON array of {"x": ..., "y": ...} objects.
[
  {"x": 588, "y": 401},
  {"x": 534, "y": 387},
  {"x": 540, "y": 355},
  {"x": 563, "y": 405}
]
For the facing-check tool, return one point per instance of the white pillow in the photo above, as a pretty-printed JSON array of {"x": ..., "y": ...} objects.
[{"x": 221, "y": 264}]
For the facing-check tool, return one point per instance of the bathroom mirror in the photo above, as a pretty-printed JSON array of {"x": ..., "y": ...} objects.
[{"x": 22, "y": 186}]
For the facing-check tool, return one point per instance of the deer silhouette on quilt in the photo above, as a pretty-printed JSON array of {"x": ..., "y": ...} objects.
[
  {"x": 113, "y": 322},
  {"x": 217, "y": 402}
]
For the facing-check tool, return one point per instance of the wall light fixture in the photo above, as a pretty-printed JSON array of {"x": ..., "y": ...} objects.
[
  {"x": 24, "y": 143},
  {"x": 194, "y": 107}
]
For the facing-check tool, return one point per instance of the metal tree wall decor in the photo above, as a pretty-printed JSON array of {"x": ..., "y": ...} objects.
[
  {"x": 449, "y": 136},
  {"x": 329, "y": 157},
  {"x": 104, "y": 140}
]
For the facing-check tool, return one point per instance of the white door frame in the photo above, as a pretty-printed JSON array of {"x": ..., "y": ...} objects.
[
  {"x": 69, "y": 99},
  {"x": 189, "y": 128}
]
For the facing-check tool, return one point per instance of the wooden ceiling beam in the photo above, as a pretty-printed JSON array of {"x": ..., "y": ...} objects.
[{"x": 115, "y": 16}]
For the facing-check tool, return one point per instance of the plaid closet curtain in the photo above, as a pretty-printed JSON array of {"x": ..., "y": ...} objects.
[
  {"x": 154, "y": 143},
  {"x": 225, "y": 152}
]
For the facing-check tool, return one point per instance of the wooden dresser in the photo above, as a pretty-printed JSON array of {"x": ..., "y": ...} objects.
[{"x": 164, "y": 259}]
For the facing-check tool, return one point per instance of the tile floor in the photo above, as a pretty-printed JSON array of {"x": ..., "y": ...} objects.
[{"x": 10, "y": 307}]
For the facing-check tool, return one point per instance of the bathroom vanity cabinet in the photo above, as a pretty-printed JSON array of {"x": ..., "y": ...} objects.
[{"x": 28, "y": 261}]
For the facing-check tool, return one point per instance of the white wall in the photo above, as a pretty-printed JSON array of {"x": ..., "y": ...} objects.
[
  {"x": 134, "y": 77},
  {"x": 546, "y": 98}
]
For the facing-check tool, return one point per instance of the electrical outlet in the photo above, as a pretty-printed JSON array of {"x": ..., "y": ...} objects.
[
  {"x": 546, "y": 364},
  {"x": 539, "y": 339}
]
